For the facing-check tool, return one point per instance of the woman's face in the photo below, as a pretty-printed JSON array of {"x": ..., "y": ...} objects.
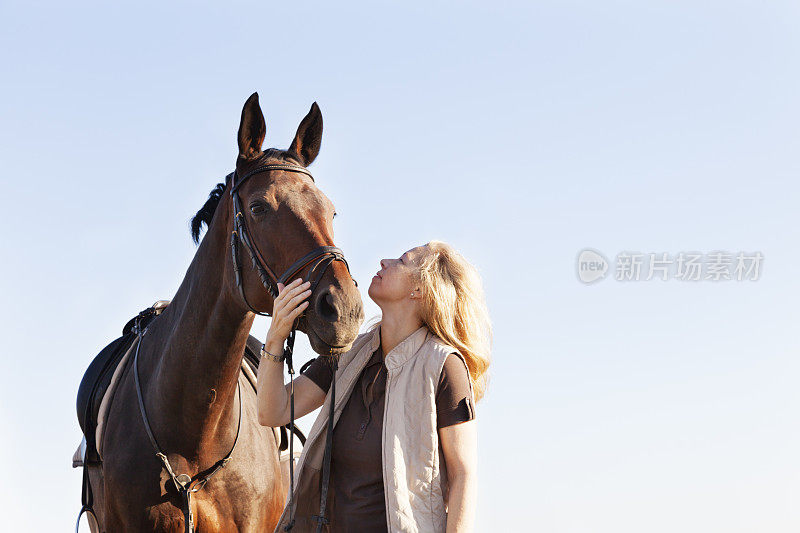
[{"x": 397, "y": 278}]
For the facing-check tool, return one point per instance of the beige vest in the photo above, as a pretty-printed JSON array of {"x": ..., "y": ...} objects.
[{"x": 414, "y": 475}]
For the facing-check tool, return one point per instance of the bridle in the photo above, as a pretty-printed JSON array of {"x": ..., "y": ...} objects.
[{"x": 318, "y": 258}]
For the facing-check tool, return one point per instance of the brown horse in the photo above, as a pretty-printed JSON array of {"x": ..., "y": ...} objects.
[{"x": 190, "y": 359}]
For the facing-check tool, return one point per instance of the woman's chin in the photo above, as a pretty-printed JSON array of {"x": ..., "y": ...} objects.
[{"x": 373, "y": 290}]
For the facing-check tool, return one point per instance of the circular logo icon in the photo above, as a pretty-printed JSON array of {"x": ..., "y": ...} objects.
[{"x": 592, "y": 266}]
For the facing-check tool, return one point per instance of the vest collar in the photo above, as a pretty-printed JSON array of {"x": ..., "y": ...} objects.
[{"x": 404, "y": 351}]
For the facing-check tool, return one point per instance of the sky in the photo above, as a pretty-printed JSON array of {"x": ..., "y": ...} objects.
[{"x": 522, "y": 134}]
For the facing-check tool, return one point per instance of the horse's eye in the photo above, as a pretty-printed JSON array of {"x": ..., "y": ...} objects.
[{"x": 258, "y": 208}]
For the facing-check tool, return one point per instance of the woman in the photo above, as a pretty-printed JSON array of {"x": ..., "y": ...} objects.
[{"x": 404, "y": 441}]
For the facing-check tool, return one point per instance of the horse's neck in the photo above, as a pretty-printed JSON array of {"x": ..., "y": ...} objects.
[{"x": 195, "y": 350}]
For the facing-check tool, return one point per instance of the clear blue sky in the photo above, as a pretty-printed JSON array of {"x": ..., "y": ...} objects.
[{"x": 520, "y": 133}]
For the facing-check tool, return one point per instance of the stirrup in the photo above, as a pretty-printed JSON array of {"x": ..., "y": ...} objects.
[{"x": 88, "y": 510}]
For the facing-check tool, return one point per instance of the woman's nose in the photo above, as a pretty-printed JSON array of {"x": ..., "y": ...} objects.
[{"x": 383, "y": 264}]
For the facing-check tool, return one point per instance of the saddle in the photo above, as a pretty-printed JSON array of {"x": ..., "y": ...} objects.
[{"x": 100, "y": 378}]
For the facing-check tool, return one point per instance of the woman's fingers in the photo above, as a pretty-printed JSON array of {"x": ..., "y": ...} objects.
[
  {"x": 290, "y": 294},
  {"x": 285, "y": 308},
  {"x": 292, "y": 289},
  {"x": 282, "y": 289},
  {"x": 299, "y": 309},
  {"x": 285, "y": 292},
  {"x": 295, "y": 306},
  {"x": 289, "y": 298},
  {"x": 294, "y": 302}
]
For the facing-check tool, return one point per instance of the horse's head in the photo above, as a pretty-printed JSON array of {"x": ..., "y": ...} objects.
[{"x": 285, "y": 216}]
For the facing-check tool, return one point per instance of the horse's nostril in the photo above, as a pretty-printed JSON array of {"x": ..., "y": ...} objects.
[{"x": 326, "y": 307}]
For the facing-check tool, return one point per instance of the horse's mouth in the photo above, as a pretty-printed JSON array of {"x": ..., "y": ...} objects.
[{"x": 320, "y": 345}]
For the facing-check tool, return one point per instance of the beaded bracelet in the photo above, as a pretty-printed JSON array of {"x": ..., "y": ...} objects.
[{"x": 273, "y": 357}]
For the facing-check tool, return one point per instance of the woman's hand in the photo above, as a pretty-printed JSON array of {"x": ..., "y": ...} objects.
[
  {"x": 289, "y": 304},
  {"x": 272, "y": 393}
]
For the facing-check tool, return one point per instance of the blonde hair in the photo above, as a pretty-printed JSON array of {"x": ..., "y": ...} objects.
[{"x": 454, "y": 308}]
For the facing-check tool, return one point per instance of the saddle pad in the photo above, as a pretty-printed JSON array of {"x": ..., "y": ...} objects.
[{"x": 105, "y": 403}]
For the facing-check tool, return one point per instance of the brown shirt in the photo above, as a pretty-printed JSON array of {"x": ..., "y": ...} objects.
[{"x": 357, "y": 493}]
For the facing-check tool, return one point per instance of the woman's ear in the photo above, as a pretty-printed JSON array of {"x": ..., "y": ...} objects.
[{"x": 308, "y": 138}]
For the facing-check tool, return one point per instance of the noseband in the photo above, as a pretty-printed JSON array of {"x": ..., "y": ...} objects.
[{"x": 319, "y": 258}]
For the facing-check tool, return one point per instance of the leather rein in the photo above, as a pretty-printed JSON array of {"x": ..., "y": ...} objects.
[{"x": 319, "y": 258}]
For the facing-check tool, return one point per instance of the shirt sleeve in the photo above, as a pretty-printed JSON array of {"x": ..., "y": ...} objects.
[
  {"x": 320, "y": 371},
  {"x": 453, "y": 397}
]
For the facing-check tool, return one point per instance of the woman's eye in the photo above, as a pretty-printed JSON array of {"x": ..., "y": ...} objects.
[{"x": 258, "y": 209}]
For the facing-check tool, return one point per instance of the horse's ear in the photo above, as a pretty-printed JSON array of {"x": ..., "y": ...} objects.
[
  {"x": 252, "y": 128},
  {"x": 308, "y": 138}
]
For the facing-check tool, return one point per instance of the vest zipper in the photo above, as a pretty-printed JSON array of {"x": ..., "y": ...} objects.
[{"x": 383, "y": 451}]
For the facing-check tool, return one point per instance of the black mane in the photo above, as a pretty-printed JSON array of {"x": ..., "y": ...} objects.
[{"x": 206, "y": 212}]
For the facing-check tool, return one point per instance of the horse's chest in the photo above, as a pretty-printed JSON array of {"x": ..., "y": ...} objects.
[
  {"x": 207, "y": 516},
  {"x": 224, "y": 507},
  {"x": 239, "y": 497}
]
